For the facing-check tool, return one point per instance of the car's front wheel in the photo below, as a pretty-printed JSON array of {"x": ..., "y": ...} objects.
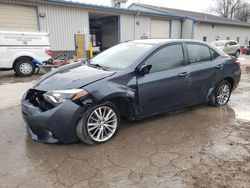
[
  {"x": 99, "y": 124},
  {"x": 221, "y": 94}
]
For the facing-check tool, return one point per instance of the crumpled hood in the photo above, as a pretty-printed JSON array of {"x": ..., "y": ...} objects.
[{"x": 71, "y": 76}]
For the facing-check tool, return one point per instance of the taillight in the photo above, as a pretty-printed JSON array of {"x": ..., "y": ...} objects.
[
  {"x": 237, "y": 62},
  {"x": 48, "y": 51}
]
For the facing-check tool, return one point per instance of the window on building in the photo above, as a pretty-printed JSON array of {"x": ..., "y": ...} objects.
[
  {"x": 205, "y": 39},
  {"x": 228, "y": 38},
  {"x": 198, "y": 53},
  {"x": 166, "y": 58}
]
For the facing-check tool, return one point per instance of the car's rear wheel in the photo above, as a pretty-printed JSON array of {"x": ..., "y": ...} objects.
[
  {"x": 221, "y": 94},
  {"x": 24, "y": 67},
  {"x": 99, "y": 124}
]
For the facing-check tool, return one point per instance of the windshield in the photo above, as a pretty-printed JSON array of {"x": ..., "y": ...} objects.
[
  {"x": 120, "y": 56},
  {"x": 220, "y": 43}
]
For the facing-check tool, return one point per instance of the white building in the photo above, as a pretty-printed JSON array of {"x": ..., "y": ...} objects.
[
  {"x": 70, "y": 24},
  {"x": 203, "y": 26}
]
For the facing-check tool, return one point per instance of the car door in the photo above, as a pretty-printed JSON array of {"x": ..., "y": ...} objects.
[
  {"x": 205, "y": 71},
  {"x": 5, "y": 57},
  {"x": 232, "y": 47},
  {"x": 166, "y": 86}
]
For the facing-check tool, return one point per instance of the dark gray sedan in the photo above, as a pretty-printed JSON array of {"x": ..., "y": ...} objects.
[{"x": 135, "y": 80}]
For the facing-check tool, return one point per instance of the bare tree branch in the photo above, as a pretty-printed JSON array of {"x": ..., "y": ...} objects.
[{"x": 234, "y": 9}]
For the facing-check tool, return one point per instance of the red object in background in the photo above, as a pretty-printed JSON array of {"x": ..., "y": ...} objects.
[
  {"x": 237, "y": 62},
  {"x": 243, "y": 50},
  {"x": 58, "y": 63},
  {"x": 48, "y": 51}
]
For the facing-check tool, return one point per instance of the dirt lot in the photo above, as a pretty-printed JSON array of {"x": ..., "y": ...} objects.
[{"x": 200, "y": 146}]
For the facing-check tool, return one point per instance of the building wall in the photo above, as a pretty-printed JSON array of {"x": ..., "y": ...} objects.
[
  {"x": 187, "y": 27},
  {"x": 176, "y": 29},
  {"x": 222, "y": 32},
  {"x": 127, "y": 27},
  {"x": 142, "y": 27},
  {"x": 62, "y": 23},
  {"x": 176, "y": 24}
]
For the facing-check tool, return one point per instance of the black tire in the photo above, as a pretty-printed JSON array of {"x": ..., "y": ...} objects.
[
  {"x": 20, "y": 67},
  {"x": 214, "y": 100},
  {"x": 81, "y": 128}
]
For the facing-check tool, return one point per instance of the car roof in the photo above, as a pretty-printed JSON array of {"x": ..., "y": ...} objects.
[
  {"x": 160, "y": 42},
  {"x": 225, "y": 41},
  {"x": 165, "y": 41}
]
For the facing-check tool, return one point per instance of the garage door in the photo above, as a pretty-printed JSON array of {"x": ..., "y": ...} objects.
[
  {"x": 159, "y": 29},
  {"x": 18, "y": 18}
]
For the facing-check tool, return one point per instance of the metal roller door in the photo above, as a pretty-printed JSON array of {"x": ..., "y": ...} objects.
[
  {"x": 159, "y": 29},
  {"x": 18, "y": 18}
]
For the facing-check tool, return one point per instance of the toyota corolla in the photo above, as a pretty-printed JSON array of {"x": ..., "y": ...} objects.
[{"x": 135, "y": 80}]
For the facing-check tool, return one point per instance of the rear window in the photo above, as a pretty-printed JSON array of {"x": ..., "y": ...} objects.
[
  {"x": 232, "y": 43},
  {"x": 198, "y": 53}
]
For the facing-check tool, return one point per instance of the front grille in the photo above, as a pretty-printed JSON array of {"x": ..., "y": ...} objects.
[{"x": 35, "y": 97}]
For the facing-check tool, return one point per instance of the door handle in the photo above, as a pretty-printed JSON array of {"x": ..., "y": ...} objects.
[
  {"x": 183, "y": 74},
  {"x": 220, "y": 66}
]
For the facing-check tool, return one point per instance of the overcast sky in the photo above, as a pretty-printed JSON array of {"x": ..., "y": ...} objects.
[{"x": 192, "y": 5}]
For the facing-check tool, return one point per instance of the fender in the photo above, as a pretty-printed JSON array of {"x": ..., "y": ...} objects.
[
  {"x": 122, "y": 88},
  {"x": 36, "y": 60}
]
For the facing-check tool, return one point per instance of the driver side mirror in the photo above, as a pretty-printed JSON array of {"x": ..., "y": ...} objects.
[{"x": 144, "y": 69}]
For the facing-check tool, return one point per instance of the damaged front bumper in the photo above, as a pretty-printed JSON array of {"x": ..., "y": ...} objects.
[{"x": 54, "y": 125}]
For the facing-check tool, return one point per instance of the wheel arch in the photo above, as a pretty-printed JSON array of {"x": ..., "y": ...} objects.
[
  {"x": 230, "y": 80},
  {"x": 212, "y": 89},
  {"x": 125, "y": 106},
  {"x": 20, "y": 58}
]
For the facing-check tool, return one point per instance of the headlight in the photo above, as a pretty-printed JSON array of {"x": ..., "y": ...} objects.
[{"x": 58, "y": 96}]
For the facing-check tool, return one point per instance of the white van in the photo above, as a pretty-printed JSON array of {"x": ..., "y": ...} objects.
[{"x": 23, "y": 51}]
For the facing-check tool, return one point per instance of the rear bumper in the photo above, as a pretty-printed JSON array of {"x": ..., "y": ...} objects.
[
  {"x": 237, "y": 77},
  {"x": 52, "y": 126}
]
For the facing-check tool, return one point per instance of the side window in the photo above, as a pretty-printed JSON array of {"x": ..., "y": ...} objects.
[
  {"x": 213, "y": 54},
  {"x": 232, "y": 43},
  {"x": 166, "y": 58},
  {"x": 198, "y": 53}
]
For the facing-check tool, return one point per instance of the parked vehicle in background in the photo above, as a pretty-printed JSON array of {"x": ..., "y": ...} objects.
[
  {"x": 23, "y": 51},
  {"x": 135, "y": 80},
  {"x": 248, "y": 50},
  {"x": 231, "y": 47}
]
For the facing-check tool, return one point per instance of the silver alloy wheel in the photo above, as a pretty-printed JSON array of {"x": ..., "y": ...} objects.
[
  {"x": 102, "y": 124},
  {"x": 25, "y": 68},
  {"x": 223, "y": 94}
]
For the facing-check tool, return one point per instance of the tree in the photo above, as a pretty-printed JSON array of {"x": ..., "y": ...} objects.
[
  {"x": 234, "y": 9},
  {"x": 243, "y": 13}
]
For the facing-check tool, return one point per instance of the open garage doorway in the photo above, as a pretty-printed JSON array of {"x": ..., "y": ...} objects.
[{"x": 104, "y": 31}]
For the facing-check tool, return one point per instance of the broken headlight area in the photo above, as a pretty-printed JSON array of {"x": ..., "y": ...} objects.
[
  {"x": 57, "y": 97},
  {"x": 48, "y": 100}
]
